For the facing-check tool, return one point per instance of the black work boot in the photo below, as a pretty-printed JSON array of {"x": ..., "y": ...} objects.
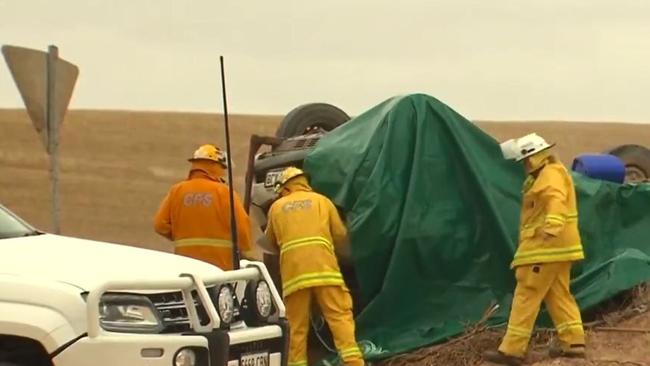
[
  {"x": 501, "y": 358},
  {"x": 574, "y": 351}
]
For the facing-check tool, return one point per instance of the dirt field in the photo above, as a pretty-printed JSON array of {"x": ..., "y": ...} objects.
[{"x": 117, "y": 166}]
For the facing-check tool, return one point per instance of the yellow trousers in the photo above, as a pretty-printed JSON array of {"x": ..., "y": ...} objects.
[
  {"x": 548, "y": 282},
  {"x": 336, "y": 304}
]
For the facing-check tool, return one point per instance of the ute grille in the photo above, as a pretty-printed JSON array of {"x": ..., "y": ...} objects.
[{"x": 173, "y": 311}]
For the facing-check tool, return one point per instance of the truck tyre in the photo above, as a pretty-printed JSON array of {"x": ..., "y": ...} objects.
[
  {"x": 311, "y": 117},
  {"x": 637, "y": 162}
]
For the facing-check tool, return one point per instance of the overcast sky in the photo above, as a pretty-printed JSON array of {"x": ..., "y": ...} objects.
[{"x": 488, "y": 59}]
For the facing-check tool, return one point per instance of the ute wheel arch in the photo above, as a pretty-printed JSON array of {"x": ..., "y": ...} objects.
[
  {"x": 311, "y": 117},
  {"x": 637, "y": 161},
  {"x": 21, "y": 351}
]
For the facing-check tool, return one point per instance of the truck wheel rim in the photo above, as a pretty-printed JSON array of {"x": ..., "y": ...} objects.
[{"x": 634, "y": 174}]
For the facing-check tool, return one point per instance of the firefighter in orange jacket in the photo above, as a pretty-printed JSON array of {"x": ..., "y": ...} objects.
[
  {"x": 549, "y": 242},
  {"x": 306, "y": 226},
  {"x": 195, "y": 214}
]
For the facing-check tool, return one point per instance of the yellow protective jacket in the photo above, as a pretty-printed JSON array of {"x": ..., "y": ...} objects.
[
  {"x": 549, "y": 217},
  {"x": 305, "y": 226},
  {"x": 195, "y": 215}
]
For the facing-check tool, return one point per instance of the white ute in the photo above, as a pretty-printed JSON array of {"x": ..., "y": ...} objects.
[{"x": 72, "y": 302}]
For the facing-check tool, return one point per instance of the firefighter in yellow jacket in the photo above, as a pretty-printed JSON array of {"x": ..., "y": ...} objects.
[
  {"x": 549, "y": 242},
  {"x": 306, "y": 226},
  {"x": 195, "y": 214}
]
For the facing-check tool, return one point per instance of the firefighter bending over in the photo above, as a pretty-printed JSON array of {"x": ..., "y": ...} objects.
[
  {"x": 549, "y": 241},
  {"x": 195, "y": 214},
  {"x": 305, "y": 226}
]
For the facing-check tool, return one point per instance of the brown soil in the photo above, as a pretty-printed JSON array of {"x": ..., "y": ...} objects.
[
  {"x": 604, "y": 348},
  {"x": 116, "y": 166}
]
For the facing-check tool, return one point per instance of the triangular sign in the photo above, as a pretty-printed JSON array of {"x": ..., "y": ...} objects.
[{"x": 29, "y": 70}]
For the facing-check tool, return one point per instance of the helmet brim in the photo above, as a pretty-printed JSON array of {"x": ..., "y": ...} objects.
[
  {"x": 536, "y": 152},
  {"x": 278, "y": 188},
  {"x": 206, "y": 159}
]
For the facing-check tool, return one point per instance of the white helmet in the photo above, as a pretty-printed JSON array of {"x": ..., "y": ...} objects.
[{"x": 523, "y": 147}]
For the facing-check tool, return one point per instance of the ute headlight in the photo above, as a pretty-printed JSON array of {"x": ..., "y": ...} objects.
[
  {"x": 225, "y": 304},
  {"x": 263, "y": 299},
  {"x": 258, "y": 303},
  {"x": 129, "y": 314}
]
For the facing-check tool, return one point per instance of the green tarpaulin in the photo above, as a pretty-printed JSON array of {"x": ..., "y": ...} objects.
[{"x": 433, "y": 212}]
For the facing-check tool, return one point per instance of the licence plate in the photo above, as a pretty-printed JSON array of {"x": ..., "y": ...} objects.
[
  {"x": 271, "y": 178},
  {"x": 255, "y": 359}
]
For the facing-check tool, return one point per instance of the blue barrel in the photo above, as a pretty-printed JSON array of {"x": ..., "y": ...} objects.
[{"x": 600, "y": 166}]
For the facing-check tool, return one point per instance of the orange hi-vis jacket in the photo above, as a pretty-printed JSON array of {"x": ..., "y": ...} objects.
[
  {"x": 195, "y": 215},
  {"x": 549, "y": 218},
  {"x": 305, "y": 226}
]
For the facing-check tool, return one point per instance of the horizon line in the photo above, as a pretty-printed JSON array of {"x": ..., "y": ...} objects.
[{"x": 166, "y": 111}]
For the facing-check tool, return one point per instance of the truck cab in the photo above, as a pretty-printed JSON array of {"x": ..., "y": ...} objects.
[{"x": 297, "y": 135}]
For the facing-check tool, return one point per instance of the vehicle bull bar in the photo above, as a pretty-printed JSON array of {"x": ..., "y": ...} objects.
[{"x": 185, "y": 283}]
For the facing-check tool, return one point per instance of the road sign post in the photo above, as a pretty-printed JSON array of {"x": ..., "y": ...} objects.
[
  {"x": 53, "y": 134},
  {"x": 45, "y": 83}
]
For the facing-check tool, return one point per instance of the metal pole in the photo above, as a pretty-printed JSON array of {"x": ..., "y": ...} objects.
[
  {"x": 53, "y": 134},
  {"x": 233, "y": 221}
]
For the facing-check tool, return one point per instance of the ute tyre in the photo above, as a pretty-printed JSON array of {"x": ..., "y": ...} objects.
[
  {"x": 311, "y": 117},
  {"x": 637, "y": 162}
]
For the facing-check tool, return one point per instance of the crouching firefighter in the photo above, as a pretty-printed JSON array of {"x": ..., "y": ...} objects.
[
  {"x": 195, "y": 214},
  {"x": 305, "y": 226},
  {"x": 549, "y": 241}
]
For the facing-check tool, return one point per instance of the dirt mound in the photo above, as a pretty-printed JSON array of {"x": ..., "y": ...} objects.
[{"x": 618, "y": 333}]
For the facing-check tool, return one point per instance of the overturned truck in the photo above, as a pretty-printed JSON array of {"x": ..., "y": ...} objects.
[
  {"x": 297, "y": 136},
  {"x": 432, "y": 210}
]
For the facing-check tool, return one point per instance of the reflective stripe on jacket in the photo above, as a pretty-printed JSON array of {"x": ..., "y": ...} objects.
[
  {"x": 195, "y": 215},
  {"x": 549, "y": 207},
  {"x": 305, "y": 226}
]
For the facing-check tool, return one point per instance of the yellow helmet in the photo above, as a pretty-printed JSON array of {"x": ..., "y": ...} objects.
[
  {"x": 286, "y": 175},
  {"x": 210, "y": 152}
]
